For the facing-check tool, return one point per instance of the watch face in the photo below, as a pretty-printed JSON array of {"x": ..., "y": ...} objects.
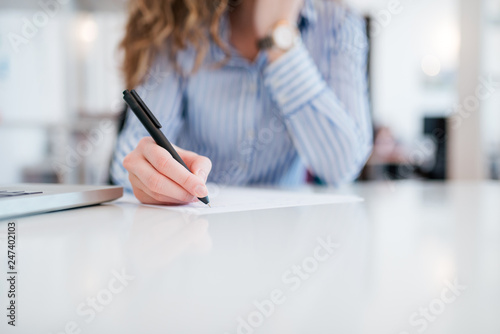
[{"x": 284, "y": 37}]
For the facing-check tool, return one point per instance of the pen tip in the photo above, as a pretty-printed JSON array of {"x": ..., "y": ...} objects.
[{"x": 209, "y": 205}]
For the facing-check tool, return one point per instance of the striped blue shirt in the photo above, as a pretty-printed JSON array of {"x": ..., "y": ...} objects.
[{"x": 266, "y": 123}]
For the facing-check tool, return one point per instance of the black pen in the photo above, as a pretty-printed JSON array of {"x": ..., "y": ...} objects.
[{"x": 153, "y": 127}]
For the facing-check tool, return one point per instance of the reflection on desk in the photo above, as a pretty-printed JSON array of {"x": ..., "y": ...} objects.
[{"x": 412, "y": 258}]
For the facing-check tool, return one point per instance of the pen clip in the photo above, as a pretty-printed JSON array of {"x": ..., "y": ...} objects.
[{"x": 145, "y": 108}]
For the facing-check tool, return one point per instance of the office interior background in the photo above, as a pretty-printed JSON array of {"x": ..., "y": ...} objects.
[{"x": 434, "y": 69}]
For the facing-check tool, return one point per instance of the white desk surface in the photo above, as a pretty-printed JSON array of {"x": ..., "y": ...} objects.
[{"x": 394, "y": 258}]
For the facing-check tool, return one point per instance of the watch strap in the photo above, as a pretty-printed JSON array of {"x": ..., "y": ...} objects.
[{"x": 265, "y": 43}]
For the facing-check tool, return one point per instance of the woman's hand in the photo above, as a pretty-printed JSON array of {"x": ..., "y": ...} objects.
[
  {"x": 157, "y": 178},
  {"x": 269, "y": 12}
]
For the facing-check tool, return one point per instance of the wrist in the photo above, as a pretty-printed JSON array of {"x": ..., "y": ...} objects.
[
  {"x": 281, "y": 38},
  {"x": 273, "y": 55}
]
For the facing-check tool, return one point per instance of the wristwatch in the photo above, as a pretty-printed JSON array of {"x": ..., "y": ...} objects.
[{"x": 284, "y": 36}]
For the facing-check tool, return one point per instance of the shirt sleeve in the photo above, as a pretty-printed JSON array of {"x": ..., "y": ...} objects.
[
  {"x": 163, "y": 92},
  {"x": 328, "y": 119}
]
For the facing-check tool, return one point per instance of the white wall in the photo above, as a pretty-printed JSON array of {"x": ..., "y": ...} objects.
[
  {"x": 50, "y": 79},
  {"x": 32, "y": 82},
  {"x": 491, "y": 66},
  {"x": 415, "y": 29},
  {"x": 31, "y": 90}
]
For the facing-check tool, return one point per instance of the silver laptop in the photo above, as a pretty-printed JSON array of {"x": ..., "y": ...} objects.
[{"x": 27, "y": 199}]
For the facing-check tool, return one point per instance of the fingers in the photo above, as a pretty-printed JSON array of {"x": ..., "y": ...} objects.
[
  {"x": 147, "y": 196},
  {"x": 143, "y": 176},
  {"x": 140, "y": 194},
  {"x": 157, "y": 178},
  {"x": 164, "y": 163}
]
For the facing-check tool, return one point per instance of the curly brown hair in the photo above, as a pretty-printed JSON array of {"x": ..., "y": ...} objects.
[{"x": 153, "y": 24}]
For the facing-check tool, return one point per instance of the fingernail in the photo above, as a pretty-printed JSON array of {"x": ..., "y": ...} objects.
[
  {"x": 201, "y": 173},
  {"x": 201, "y": 191}
]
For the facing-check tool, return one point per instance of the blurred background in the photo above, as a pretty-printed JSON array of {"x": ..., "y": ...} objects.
[{"x": 434, "y": 74}]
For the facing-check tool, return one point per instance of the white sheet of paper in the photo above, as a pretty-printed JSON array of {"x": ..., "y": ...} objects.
[{"x": 232, "y": 199}]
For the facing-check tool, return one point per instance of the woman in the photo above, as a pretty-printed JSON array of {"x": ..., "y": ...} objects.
[{"x": 251, "y": 91}]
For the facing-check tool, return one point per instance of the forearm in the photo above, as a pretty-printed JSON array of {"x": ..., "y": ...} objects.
[{"x": 333, "y": 137}]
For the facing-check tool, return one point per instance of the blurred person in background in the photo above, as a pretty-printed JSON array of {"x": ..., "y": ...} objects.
[{"x": 251, "y": 92}]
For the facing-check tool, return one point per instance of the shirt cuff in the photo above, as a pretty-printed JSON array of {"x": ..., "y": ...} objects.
[{"x": 293, "y": 79}]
